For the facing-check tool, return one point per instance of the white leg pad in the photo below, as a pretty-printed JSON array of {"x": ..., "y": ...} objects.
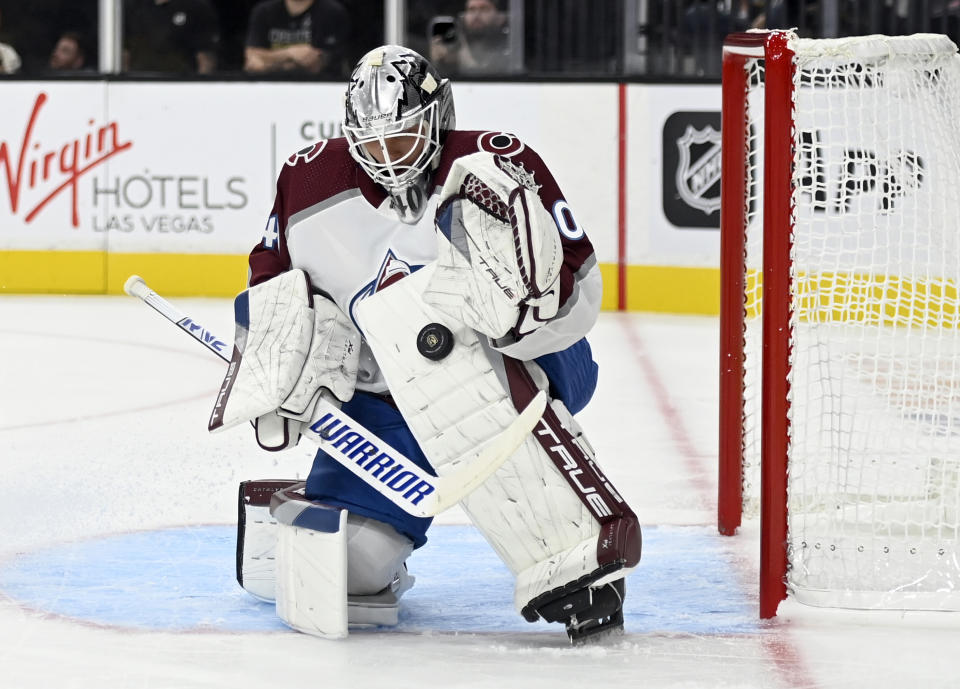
[
  {"x": 311, "y": 569},
  {"x": 560, "y": 569},
  {"x": 452, "y": 406},
  {"x": 376, "y": 553},
  {"x": 258, "y": 555},
  {"x": 528, "y": 511},
  {"x": 257, "y": 533},
  {"x": 540, "y": 529}
]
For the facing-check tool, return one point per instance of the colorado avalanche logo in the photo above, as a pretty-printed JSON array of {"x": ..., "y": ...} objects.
[
  {"x": 500, "y": 143},
  {"x": 307, "y": 154},
  {"x": 391, "y": 270}
]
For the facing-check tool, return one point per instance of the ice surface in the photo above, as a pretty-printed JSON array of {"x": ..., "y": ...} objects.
[
  {"x": 117, "y": 514},
  {"x": 182, "y": 579}
]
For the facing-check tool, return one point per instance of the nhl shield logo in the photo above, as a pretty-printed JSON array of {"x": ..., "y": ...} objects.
[{"x": 698, "y": 168}]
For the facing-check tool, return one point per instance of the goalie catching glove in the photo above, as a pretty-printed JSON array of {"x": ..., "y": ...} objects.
[
  {"x": 290, "y": 348},
  {"x": 500, "y": 253}
]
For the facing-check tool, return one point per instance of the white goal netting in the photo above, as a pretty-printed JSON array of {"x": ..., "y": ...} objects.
[{"x": 874, "y": 451}]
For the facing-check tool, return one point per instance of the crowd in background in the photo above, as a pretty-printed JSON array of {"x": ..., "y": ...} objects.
[
  {"x": 322, "y": 39},
  {"x": 319, "y": 38}
]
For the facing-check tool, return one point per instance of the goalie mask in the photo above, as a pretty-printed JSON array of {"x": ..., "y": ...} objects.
[{"x": 398, "y": 110}]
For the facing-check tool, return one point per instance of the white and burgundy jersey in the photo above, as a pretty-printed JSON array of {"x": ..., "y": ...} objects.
[{"x": 332, "y": 221}]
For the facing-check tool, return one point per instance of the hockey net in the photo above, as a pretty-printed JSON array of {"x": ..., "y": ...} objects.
[{"x": 840, "y": 324}]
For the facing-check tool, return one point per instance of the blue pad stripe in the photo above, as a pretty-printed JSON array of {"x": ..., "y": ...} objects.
[
  {"x": 241, "y": 310},
  {"x": 319, "y": 518}
]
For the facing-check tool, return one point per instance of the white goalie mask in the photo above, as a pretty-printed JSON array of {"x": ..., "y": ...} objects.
[{"x": 398, "y": 110}]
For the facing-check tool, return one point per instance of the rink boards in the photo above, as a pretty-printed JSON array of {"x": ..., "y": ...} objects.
[{"x": 174, "y": 181}]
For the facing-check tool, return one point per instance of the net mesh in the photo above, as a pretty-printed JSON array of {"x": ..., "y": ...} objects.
[
  {"x": 753, "y": 262},
  {"x": 874, "y": 458}
]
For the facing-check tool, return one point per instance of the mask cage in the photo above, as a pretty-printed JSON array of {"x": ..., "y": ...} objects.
[{"x": 397, "y": 174}]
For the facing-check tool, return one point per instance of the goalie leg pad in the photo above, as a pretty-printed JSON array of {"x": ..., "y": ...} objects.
[
  {"x": 377, "y": 554},
  {"x": 617, "y": 546},
  {"x": 311, "y": 565},
  {"x": 376, "y": 575},
  {"x": 257, "y": 534},
  {"x": 549, "y": 512}
]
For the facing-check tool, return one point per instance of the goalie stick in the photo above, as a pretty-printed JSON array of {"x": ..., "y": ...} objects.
[{"x": 387, "y": 470}]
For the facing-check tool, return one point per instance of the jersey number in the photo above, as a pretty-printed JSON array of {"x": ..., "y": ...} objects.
[
  {"x": 271, "y": 233},
  {"x": 569, "y": 227},
  {"x": 414, "y": 201}
]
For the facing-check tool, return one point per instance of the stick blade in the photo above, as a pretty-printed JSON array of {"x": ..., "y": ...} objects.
[
  {"x": 452, "y": 487},
  {"x": 432, "y": 494}
]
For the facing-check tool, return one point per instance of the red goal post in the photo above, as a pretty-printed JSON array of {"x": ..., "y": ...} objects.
[
  {"x": 840, "y": 316},
  {"x": 739, "y": 50}
]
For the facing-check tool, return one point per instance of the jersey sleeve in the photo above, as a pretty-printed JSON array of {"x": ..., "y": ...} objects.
[
  {"x": 270, "y": 256},
  {"x": 581, "y": 287},
  {"x": 312, "y": 175}
]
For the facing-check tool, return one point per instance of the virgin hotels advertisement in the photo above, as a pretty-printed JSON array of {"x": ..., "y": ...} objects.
[
  {"x": 145, "y": 168},
  {"x": 189, "y": 168},
  {"x": 51, "y": 147}
]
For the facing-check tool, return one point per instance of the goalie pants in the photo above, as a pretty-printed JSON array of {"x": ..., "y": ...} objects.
[{"x": 333, "y": 484}]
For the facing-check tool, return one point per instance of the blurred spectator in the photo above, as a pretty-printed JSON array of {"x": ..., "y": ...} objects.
[
  {"x": 705, "y": 24},
  {"x": 420, "y": 17},
  {"x": 708, "y": 19},
  {"x": 476, "y": 42},
  {"x": 800, "y": 16},
  {"x": 37, "y": 24},
  {"x": 174, "y": 36},
  {"x": 366, "y": 19},
  {"x": 233, "y": 15},
  {"x": 9, "y": 59},
  {"x": 297, "y": 36},
  {"x": 945, "y": 18},
  {"x": 69, "y": 54}
]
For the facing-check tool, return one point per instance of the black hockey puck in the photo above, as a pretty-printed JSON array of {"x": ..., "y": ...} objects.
[{"x": 435, "y": 341}]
